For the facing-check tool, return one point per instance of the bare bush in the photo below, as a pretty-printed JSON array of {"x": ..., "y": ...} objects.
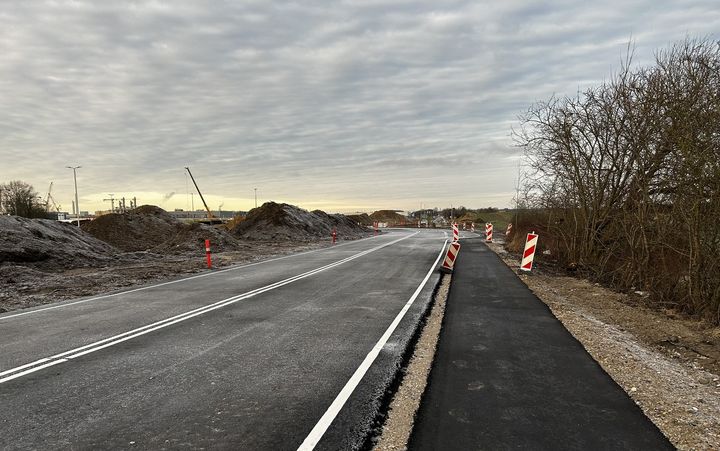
[
  {"x": 20, "y": 199},
  {"x": 628, "y": 174}
]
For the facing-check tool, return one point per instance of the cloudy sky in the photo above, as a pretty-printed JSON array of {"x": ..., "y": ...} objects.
[{"x": 344, "y": 105}]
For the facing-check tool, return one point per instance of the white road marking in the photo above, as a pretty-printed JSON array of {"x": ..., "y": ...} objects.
[
  {"x": 14, "y": 373},
  {"x": 82, "y": 301},
  {"x": 324, "y": 423}
]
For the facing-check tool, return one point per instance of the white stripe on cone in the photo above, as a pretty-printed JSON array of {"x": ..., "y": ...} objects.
[
  {"x": 450, "y": 257},
  {"x": 529, "y": 252}
]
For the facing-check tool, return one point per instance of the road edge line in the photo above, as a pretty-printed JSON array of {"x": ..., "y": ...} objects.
[{"x": 332, "y": 411}]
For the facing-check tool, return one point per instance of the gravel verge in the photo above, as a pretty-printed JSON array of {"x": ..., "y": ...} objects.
[{"x": 401, "y": 414}]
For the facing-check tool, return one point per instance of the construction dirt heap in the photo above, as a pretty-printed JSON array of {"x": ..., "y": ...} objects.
[
  {"x": 389, "y": 216},
  {"x": 152, "y": 228},
  {"x": 362, "y": 219},
  {"x": 273, "y": 221},
  {"x": 44, "y": 243}
]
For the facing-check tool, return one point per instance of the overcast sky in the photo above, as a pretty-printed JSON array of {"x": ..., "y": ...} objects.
[{"x": 340, "y": 105}]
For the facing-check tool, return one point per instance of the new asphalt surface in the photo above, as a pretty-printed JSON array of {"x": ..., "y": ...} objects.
[
  {"x": 251, "y": 357},
  {"x": 508, "y": 375}
]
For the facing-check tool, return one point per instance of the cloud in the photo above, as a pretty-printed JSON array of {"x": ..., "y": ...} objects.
[{"x": 355, "y": 102}]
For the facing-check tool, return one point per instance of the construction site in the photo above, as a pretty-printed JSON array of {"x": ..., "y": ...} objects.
[{"x": 44, "y": 260}]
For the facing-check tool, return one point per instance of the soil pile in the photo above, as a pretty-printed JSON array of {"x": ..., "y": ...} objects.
[
  {"x": 273, "y": 221},
  {"x": 389, "y": 216},
  {"x": 152, "y": 228},
  {"x": 44, "y": 243},
  {"x": 362, "y": 219}
]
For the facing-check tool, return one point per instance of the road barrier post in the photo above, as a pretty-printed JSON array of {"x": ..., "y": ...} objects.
[
  {"x": 508, "y": 230},
  {"x": 472, "y": 227},
  {"x": 456, "y": 233},
  {"x": 334, "y": 235},
  {"x": 449, "y": 262},
  {"x": 207, "y": 254},
  {"x": 488, "y": 232},
  {"x": 375, "y": 226},
  {"x": 529, "y": 253}
]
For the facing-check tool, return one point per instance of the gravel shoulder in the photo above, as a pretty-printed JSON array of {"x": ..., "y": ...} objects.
[
  {"x": 406, "y": 402},
  {"x": 668, "y": 365},
  {"x": 25, "y": 286}
]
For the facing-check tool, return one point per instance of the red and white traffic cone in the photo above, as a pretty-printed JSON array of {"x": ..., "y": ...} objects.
[
  {"x": 334, "y": 235},
  {"x": 207, "y": 254},
  {"x": 508, "y": 230},
  {"x": 456, "y": 233},
  {"x": 488, "y": 232},
  {"x": 449, "y": 262},
  {"x": 529, "y": 253}
]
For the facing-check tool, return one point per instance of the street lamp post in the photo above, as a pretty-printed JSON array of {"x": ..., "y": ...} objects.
[
  {"x": 255, "y": 197},
  {"x": 77, "y": 205}
]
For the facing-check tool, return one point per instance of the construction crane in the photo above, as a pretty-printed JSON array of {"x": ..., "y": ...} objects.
[
  {"x": 210, "y": 215},
  {"x": 49, "y": 198}
]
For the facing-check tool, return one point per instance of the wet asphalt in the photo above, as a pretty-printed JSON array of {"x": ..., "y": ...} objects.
[
  {"x": 508, "y": 375},
  {"x": 135, "y": 370}
]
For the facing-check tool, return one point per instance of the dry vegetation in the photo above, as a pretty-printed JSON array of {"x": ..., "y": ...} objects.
[{"x": 625, "y": 178}]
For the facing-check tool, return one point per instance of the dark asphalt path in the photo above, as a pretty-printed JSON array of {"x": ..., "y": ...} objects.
[
  {"x": 508, "y": 375},
  {"x": 257, "y": 372}
]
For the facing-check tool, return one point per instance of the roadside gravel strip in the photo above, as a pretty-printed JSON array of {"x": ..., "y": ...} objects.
[{"x": 401, "y": 415}]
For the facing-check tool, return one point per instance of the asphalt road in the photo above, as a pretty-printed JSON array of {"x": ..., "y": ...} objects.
[{"x": 272, "y": 355}]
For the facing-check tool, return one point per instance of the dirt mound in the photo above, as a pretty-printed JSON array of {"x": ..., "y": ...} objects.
[
  {"x": 44, "y": 243},
  {"x": 389, "y": 216},
  {"x": 362, "y": 219},
  {"x": 191, "y": 237},
  {"x": 151, "y": 228},
  {"x": 273, "y": 221}
]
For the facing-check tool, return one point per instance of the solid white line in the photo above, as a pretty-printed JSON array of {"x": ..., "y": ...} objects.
[
  {"x": 41, "y": 367},
  {"x": 37, "y": 362},
  {"x": 322, "y": 425},
  {"x": 212, "y": 273},
  {"x": 125, "y": 336}
]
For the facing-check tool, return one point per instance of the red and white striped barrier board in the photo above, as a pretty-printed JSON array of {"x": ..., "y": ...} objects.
[
  {"x": 488, "y": 232},
  {"x": 449, "y": 262},
  {"x": 207, "y": 254},
  {"x": 508, "y": 230},
  {"x": 472, "y": 227},
  {"x": 529, "y": 253},
  {"x": 456, "y": 233}
]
